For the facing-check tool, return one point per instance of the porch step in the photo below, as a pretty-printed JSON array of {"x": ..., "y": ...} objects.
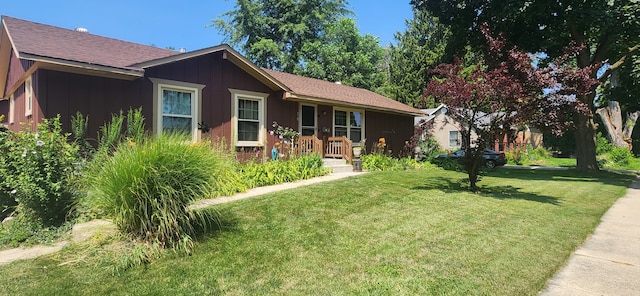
[{"x": 337, "y": 165}]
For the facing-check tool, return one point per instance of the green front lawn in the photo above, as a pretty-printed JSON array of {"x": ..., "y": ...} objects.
[{"x": 389, "y": 233}]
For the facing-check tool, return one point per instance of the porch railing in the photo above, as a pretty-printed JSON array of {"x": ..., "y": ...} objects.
[
  {"x": 339, "y": 147},
  {"x": 308, "y": 144}
]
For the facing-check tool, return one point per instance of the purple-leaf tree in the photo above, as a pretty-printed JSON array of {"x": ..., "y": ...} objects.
[{"x": 505, "y": 90}]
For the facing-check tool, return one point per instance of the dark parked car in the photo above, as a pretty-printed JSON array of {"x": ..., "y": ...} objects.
[{"x": 491, "y": 158}]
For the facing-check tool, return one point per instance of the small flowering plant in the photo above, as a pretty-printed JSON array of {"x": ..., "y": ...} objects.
[
  {"x": 286, "y": 134},
  {"x": 38, "y": 168}
]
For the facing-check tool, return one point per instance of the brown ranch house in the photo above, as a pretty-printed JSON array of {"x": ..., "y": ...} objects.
[{"x": 47, "y": 70}]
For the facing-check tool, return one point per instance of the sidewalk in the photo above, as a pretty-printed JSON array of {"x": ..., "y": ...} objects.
[{"x": 609, "y": 261}]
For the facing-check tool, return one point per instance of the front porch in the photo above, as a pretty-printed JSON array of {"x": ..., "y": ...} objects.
[{"x": 332, "y": 147}]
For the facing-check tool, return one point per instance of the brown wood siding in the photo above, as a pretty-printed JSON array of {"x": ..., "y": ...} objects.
[
  {"x": 396, "y": 129},
  {"x": 17, "y": 68},
  {"x": 18, "y": 115},
  {"x": 68, "y": 93},
  {"x": 219, "y": 75}
]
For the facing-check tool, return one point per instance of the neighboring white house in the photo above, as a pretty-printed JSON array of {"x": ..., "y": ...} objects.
[
  {"x": 445, "y": 129},
  {"x": 447, "y": 132}
]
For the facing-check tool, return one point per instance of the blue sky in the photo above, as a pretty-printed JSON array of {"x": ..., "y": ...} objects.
[{"x": 181, "y": 23}]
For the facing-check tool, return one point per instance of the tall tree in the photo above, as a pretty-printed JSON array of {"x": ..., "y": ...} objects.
[
  {"x": 504, "y": 90},
  {"x": 419, "y": 48},
  {"x": 342, "y": 54},
  {"x": 272, "y": 33},
  {"x": 607, "y": 31},
  {"x": 621, "y": 96}
]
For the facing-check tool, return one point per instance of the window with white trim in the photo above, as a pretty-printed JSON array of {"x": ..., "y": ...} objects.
[
  {"x": 349, "y": 123},
  {"x": 178, "y": 110},
  {"x": 28, "y": 97},
  {"x": 248, "y": 118},
  {"x": 12, "y": 108},
  {"x": 177, "y": 107},
  {"x": 454, "y": 139}
]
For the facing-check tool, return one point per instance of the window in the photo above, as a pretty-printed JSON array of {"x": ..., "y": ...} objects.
[
  {"x": 28, "y": 97},
  {"x": 177, "y": 110},
  {"x": 12, "y": 108},
  {"x": 454, "y": 139},
  {"x": 248, "y": 118},
  {"x": 308, "y": 120},
  {"x": 177, "y": 107},
  {"x": 349, "y": 124}
]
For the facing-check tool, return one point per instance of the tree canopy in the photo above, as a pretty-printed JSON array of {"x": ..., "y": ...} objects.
[
  {"x": 313, "y": 38},
  {"x": 342, "y": 54},
  {"x": 272, "y": 33},
  {"x": 503, "y": 90},
  {"x": 419, "y": 48},
  {"x": 607, "y": 31}
]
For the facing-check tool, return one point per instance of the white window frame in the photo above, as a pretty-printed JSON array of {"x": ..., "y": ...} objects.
[
  {"x": 28, "y": 97},
  {"x": 261, "y": 98},
  {"x": 457, "y": 139},
  {"x": 362, "y": 129},
  {"x": 195, "y": 89},
  {"x": 12, "y": 108},
  {"x": 315, "y": 118}
]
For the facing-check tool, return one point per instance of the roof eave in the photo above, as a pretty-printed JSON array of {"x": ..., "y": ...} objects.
[
  {"x": 293, "y": 96},
  {"x": 83, "y": 68}
]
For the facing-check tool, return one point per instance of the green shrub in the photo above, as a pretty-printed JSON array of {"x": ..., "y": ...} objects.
[
  {"x": 23, "y": 229},
  {"x": 276, "y": 172},
  {"x": 448, "y": 164},
  {"x": 620, "y": 156},
  {"x": 146, "y": 188},
  {"x": 378, "y": 162},
  {"x": 538, "y": 153},
  {"x": 602, "y": 144},
  {"x": 516, "y": 155},
  {"x": 7, "y": 199},
  {"x": 42, "y": 166}
]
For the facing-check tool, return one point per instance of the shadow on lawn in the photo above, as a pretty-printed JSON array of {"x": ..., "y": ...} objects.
[
  {"x": 605, "y": 177},
  {"x": 223, "y": 221},
  {"x": 499, "y": 192}
]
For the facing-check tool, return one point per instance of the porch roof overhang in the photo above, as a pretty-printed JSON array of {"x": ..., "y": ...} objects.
[{"x": 325, "y": 101}]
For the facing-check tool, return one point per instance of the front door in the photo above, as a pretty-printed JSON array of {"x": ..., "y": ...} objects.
[{"x": 307, "y": 120}]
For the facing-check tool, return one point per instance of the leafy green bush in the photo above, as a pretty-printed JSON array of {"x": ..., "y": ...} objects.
[
  {"x": 382, "y": 162},
  {"x": 447, "y": 164},
  {"x": 620, "y": 156},
  {"x": 516, "y": 155},
  {"x": 7, "y": 199},
  {"x": 378, "y": 162},
  {"x": 281, "y": 171},
  {"x": 23, "y": 229},
  {"x": 538, "y": 153},
  {"x": 146, "y": 188},
  {"x": 602, "y": 144},
  {"x": 42, "y": 166}
]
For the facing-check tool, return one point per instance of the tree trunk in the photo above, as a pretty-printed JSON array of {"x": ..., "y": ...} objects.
[
  {"x": 627, "y": 131},
  {"x": 619, "y": 131},
  {"x": 585, "y": 136}
]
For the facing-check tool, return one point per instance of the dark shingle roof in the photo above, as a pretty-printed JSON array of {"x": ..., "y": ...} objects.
[
  {"x": 70, "y": 45},
  {"x": 314, "y": 88}
]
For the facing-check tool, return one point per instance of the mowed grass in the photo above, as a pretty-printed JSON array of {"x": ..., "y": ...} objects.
[{"x": 385, "y": 233}]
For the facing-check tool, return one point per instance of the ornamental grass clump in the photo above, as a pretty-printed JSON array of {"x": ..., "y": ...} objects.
[{"x": 146, "y": 188}]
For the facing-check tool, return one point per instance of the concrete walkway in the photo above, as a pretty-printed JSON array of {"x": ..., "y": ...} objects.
[{"x": 609, "y": 261}]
